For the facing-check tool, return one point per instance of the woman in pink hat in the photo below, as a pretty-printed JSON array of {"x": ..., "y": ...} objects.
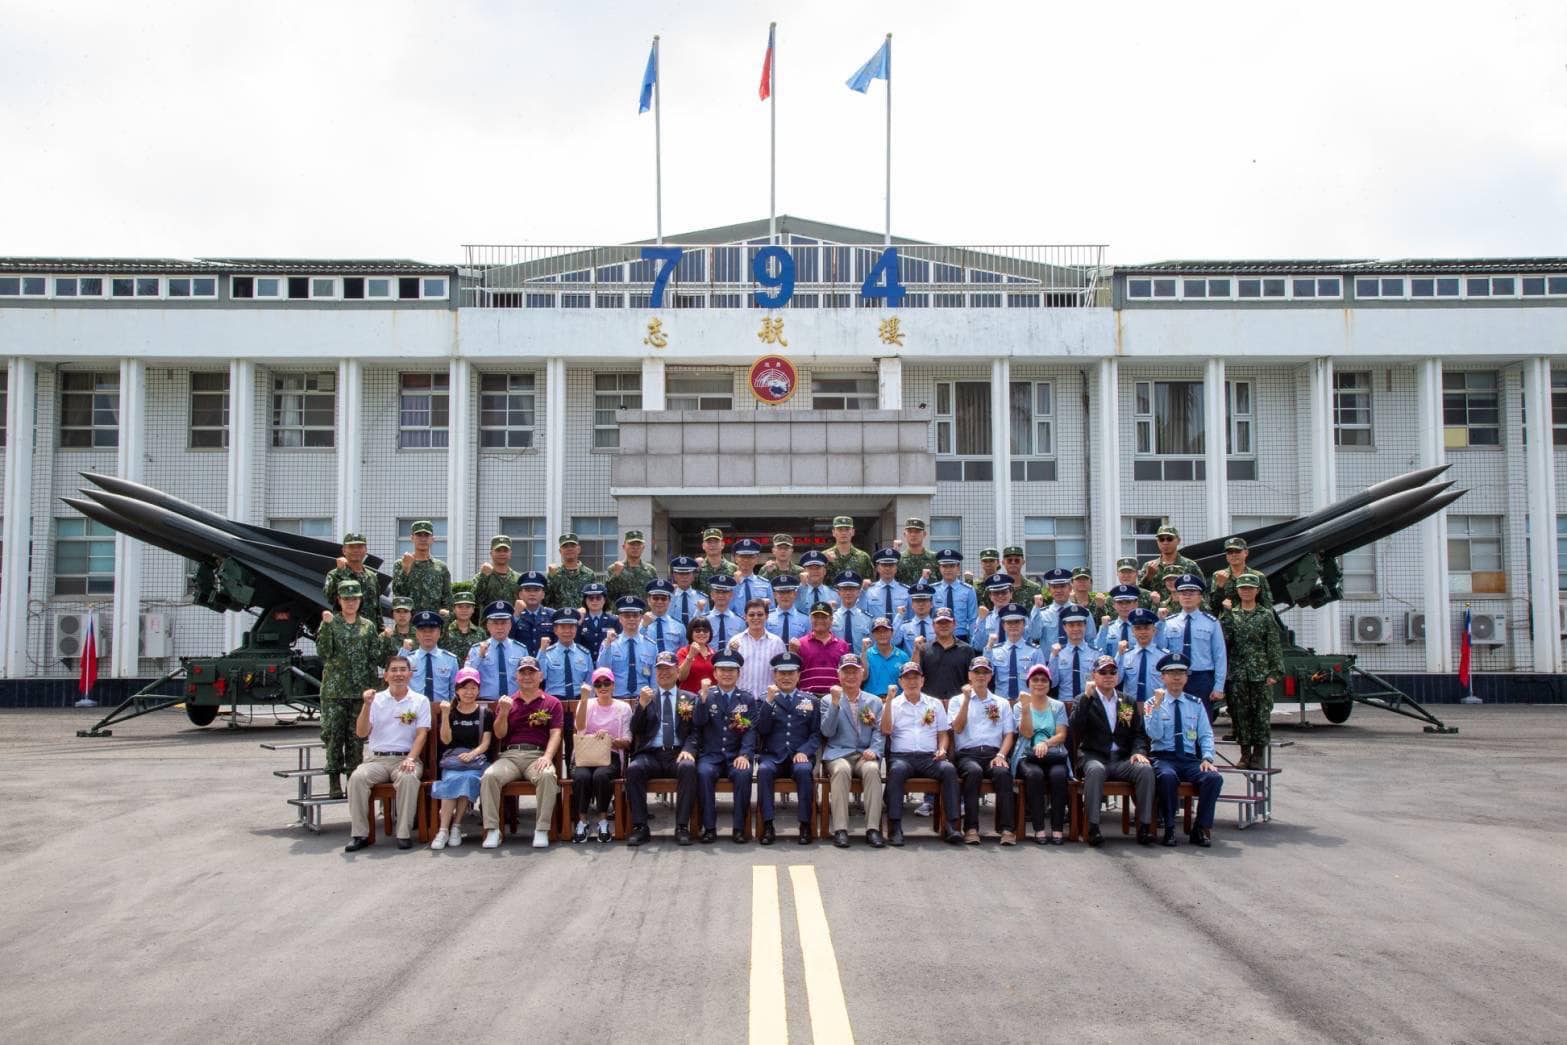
[
  {"x": 599, "y": 713},
  {"x": 465, "y": 737}
]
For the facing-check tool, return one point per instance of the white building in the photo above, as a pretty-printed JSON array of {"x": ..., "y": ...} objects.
[{"x": 537, "y": 390}]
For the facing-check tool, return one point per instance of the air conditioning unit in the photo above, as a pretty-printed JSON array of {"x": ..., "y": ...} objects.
[
  {"x": 1370, "y": 631},
  {"x": 1488, "y": 629},
  {"x": 70, "y": 634},
  {"x": 156, "y": 636},
  {"x": 1415, "y": 627}
]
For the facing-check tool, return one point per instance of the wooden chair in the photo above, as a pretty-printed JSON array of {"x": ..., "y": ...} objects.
[
  {"x": 784, "y": 785},
  {"x": 1077, "y": 816}
]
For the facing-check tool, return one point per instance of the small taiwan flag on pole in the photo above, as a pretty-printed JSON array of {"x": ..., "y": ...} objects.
[
  {"x": 89, "y": 673},
  {"x": 766, "y": 88},
  {"x": 1465, "y": 660}
]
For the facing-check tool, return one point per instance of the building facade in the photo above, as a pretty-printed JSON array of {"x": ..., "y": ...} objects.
[{"x": 1016, "y": 395}]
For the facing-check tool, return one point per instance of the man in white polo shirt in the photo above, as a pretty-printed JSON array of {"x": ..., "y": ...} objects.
[
  {"x": 395, "y": 722},
  {"x": 916, "y": 730}
]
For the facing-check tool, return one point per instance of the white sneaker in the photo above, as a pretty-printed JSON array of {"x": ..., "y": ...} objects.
[
  {"x": 924, "y": 809},
  {"x": 492, "y": 838},
  {"x": 454, "y": 837},
  {"x": 439, "y": 841},
  {"x": 541, "y": 839}
]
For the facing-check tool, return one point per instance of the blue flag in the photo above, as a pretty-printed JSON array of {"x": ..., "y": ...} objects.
[
  {"x": 880, "y": 66},
  {"x": 649, "y": 78}
]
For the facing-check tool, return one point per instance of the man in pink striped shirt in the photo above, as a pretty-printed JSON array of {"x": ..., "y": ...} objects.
[{"x": 820, "y": 652}]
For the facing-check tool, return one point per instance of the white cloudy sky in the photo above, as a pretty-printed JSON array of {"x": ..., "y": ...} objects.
[{"x": 1225, "y": 129}]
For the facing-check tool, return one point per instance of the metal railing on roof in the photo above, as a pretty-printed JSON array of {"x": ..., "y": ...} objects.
[{"x": 826, "y": 275}]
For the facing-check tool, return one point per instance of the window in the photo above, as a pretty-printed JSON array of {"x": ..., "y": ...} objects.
[
  {"x": 305, "y": 527},
  {"x": 433, "y": 287},
  {"x": 1169, "y": 418},
  {"x": 5, "y": 379},
  {"x": 209, "y": 410},
  {"x": 135, "y": 286},
  {"x": 1351, "y": 408},
  {"x": 1561, "y": 553},
  {"x": 23, "y": 286},
  {"x": 1032, "y": 410},
  {"x": 600, "y": 544},
  {"x": 1238, "y": 401},
  {"x": 1052, "y": 542},
  {"x": 1559, "y": 407},
  {"x": 423, "y": 411},
  {"x": 90, "y": 409},
  {"x": 1433, "y": 286},
  {"x": 506, "y": 411},
  {"x": 83, "y": 558},
  {"x": 1379, "y": 286},
  {"x": 843, "y": 393},
  {"x": 193, "y": 286},
  {"x": 1471, "y": 409},
  {"x": 1137, "y": 536},
  {"x": 612, "y": 392},
  {"x": 527, "y": 542},
  {"x": 1360, "y": 571},
  {"x": 78, "y": 287},
  {"x": 303, "y": 409},
  {"x": 699, "y": 392},
  {"x": 963, "y": 430},
  {"x": 405, "y": 542},
  {"x": 946, "y": 531},
  {"x": 1474, "y": 554},
  {"x": 378, "y": 288}
]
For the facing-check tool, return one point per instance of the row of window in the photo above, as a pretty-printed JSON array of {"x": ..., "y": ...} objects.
[
  {"x": 1317, "y": 288},
  {"x": 262, "y": 288}
]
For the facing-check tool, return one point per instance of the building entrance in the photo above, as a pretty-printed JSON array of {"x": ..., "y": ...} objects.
[{"x": 808, "y": 533}]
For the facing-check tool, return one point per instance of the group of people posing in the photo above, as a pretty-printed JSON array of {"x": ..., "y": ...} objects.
[{"x": 903, "y": 666}]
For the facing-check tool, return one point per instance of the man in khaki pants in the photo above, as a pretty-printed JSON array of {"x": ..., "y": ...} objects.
[
  {"x": 528, "y": 723},
  {"x": 854, "y": 744},
  {"x": 396, "y": 722}
]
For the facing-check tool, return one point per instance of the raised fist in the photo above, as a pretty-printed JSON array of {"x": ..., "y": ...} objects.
[
  {"x": 1220, "y": 578},
  {"x": 1121, "y": 647},
  {"x": 545, "y": 643},
  {"x": 486, "y": 569},
  {"x": 837, "y": 694},
  {"x": 968, "y": 576},
  {"x": 615, "y": 568},
  {"x": 707, "y": 684},
  {"x": 794, "y": 644},
  {"x": 587, "y": 690},
  {"x": 1225, "y": 603},
  {"x": 342, "y": 563},
  {"x": 408, "y": 644},
  {"x": 897, "y": 544},
  {"x": 984, "y": 611},
  {"x": 1099, "y": 599},
  {"x": 408, "y": 562},
  {"x": 609, "y": 635},
  {"x": 1039, "y": 601},
  {"x": 991, "y": 640},
  {"x": 865, "y": 644},
  {"x": 445, "y": 614},
  {"x": 386, "y": 633},
  {"x": 645, "y": 696},
  {"x": 925, "y": 574},
  {"x": 326, "y": 617},
  {"x": 368, "y": 694},
  {"x": 772, "y": 692},
  {"x": 1055, "y": 647},
  {"x": 484, "y": 649}
]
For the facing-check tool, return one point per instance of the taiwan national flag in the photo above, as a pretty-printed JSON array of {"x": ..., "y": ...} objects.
[
  {"x": 1464, "y": 654},
  {"x": 766, "y": 88},
  {"x": 89, "y": 673}
]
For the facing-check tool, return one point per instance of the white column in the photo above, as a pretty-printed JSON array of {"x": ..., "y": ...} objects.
[
  {"x": 350, "y": 442},
  {"x": 1216, "y": 430},
  {"x": 128, "y": 551},
  {"x": 889, "y": 383},
  {"x": 1001, "y": 446},
  {"x": 1324, "y": 479},
  {"x": 1107, "y": 455},
  {"x": 241, "y": 466},
  {"x": 1433, "y": 532},
  {"x": 460, "y": 471},
  {"x": 555, "y": 447},
  {"x": 1540, "y": 467},
  {"x": 20, "y": 418},
  {"x": 652, "y": 384}
]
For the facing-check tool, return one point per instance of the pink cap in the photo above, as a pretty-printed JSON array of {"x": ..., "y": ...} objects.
[
  {"x": 600, "y": 674},
  {"x": 466, "y": 675},
  {"x": 1036, "y": 669}
]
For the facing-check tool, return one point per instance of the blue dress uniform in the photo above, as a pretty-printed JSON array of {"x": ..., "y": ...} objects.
[
  {"x": 1114, "y": 631},
  {"x": 1140, "y": 664},
  {"x": 590, "y": 633},
  {"x": 811, "y": 594},
  {"x": 565, "y": 667},
  {"x": 497, "y": 664},
  {"x": 752, "y": 587},
  {"x": 665, "y": 629},
  {"x": 919, "y": 624},
  {"x": 1180, "y": 738},
  {"x": 1072, "y": 667},
  {"x": 1198, "y": 637},
  {"x": 630, "y": 657},
  {"x": 850, "y": 623},
  {"x": 529, "y": 626},
  {"x": 1009, "y": 662},
  {"x": 1044, "y": 625},
  {"x": 433, "y": 674},
  {"x": 788, "y": 623},
  {"x": 956, "y": 595},
  {"x": 886, "y": 598},
  {"x": 726, "y": 623},
  {"x": 688, "y": 602},
  {"x": 991, "y": 625},
  {"x": 788, "y": 725},
  {"x": 719, "y": 743}
]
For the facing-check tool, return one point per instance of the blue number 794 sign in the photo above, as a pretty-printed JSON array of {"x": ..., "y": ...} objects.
[{"x": 773, "y": 268}]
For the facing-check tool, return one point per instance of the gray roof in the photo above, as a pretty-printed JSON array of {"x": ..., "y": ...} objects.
[
  {"x": 1349, "y": 266},
  {"x": 218, "y": 266},
  {"x": 788, "y": 225}
]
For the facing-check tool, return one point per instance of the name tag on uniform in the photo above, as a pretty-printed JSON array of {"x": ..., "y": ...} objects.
[
  {"x": 803, "y": 706},
  {"x": 740, "y": 707}
]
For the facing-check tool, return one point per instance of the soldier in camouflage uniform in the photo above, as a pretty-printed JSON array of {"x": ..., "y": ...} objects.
[
  {"x": 496, "y": 581},
  {"x": 844, "y": 557},
  {"x": 1224, "y": 594},
  {"x": 462, "y": 632},
  {"x": 915, "y": 557},
  {"x": 348, "y": 645},
  {"x": 1169, "y": 539},
  {"x": 1094, "y": 602},
  {"x": 351, "y": 567},
  {"x": 989, "y": 565},
  {"x": 563, "y": 591},
  {"x": 1256, "y": 662},
  {"x": 400, "y": 636},
  {"x": 782, "y": 561},
  {"x": 1168, "y": 604},
  {"x": 712, "y": 562},
  {"x": 421, "y": 578},
  {"x": 1023, "y": 589},
  {"x": 629, "y": 576},
  {"x": 1126, "y": 573}
]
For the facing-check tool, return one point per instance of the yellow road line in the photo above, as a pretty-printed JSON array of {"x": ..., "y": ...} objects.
[
  {"x": 769, "y": 1018},
  {"x": 823, "y": 985}
]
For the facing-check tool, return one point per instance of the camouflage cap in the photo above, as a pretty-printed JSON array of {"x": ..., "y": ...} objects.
[
  {"x": 1126, "y": 562},
  {"x": 402, "y": 602},
  {"x": 712, "y": 533},
  {"x": 841, "y": 520},
  {"x": 354, "y": 538},
  {"x": 500, "y": 540},
  {"x": 635, "y": 535},
  {"x": 990, "y": 555},
  {"x": 350, "y": 590},
  {"x": 422, "y": 526},
  {"x": 567, "y": 538},
  {"x": 1012, "y": 551},
  {"x": 1235, "y": 544},
  {"x": 463, "y": 598},
  {"x": 913, "y": 523},
  {"x": 783, "y": 539},
  {"x": 1167, "y": 531},
  {"x": 1082, "y": 571},
  {"x": 1249, "y": 579}
]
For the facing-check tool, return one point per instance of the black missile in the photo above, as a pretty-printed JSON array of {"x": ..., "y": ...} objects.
[
  {"x": 98, "y": 513},
  {"x": 1431, "y": 507},
  {"x": 1275, "y": 555}
]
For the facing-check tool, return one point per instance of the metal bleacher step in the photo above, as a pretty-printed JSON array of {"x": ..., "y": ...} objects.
[
  {"x": 316, "y": 802},
  {"x": 299, "y": 772},
  {"x": 296, "y": 745}
]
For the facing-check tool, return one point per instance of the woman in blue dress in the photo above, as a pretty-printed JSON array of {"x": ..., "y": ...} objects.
[{"x": 466, "y": 728}]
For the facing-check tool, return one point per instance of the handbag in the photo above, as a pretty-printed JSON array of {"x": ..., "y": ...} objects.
[
  {"x": 449, "y": 760},
  {"x": 591, "y": 750}
]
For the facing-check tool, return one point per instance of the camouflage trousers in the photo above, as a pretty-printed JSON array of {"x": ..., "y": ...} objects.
[
  {"x": 344, "y": 750},
  {"x": 1250, "y": 705}
]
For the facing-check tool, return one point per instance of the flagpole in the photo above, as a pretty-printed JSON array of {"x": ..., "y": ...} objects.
[
  {"x": 658, "y": 150},
  {"x": 772, "y": 110},
  {"x": 887, "y": 239}
]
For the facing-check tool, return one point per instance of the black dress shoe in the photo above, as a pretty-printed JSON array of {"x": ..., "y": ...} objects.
[
  {"x": 1169, "y": 837},
  {"x": 740, "y": 837},
  {"x": 769, "y": 836},
  {"x": 356, "y": 844},
  {"x": 682, "y": 836},
  {"x": 1095, "y": 837},
  {"x": 1144, "y": 834},
  {"x": 405, "y": 843},
  {"x": 639, "y": 835},
  {"x": 1199, "y": 837},
  {"x": 895, "y": 833},
  {"x": 840, "y": 839},
  {"x": 874, "y": 840},
  {"x": 579, "y": 834},
  {"x": 605, "y": 834},
  {"x": 709, "y": 836},
  {"x": 805, "y": 835},
  {"x": 952, "y": 836}
]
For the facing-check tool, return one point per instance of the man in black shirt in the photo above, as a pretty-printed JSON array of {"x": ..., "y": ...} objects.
[{"x": 945, "y": 661}]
